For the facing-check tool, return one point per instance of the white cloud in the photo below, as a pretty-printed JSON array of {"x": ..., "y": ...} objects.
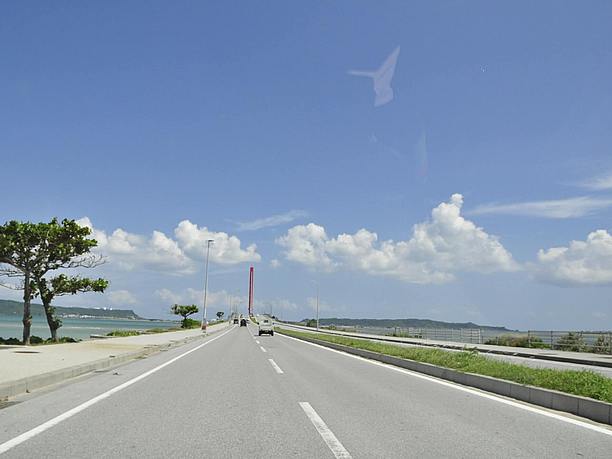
[
  {"x": 274, "y": 263},
  {"x": 306, "y": 244},
  {"x": 225, "y": 250},
  {"x": 121, "y": 298},
  {"x": 561, "y": 208},
  {"x": 220, "y": 299},
  {"x": 602, "y": 182},
  {"x": 159, "y": 252},
  {"x": 581, "y": 263},
  {"x": 217, "y": 299},
  {"x": 438, "y": 248},
  {"x": 168, "y": 296},
  {"x": 274, "y": 220}
]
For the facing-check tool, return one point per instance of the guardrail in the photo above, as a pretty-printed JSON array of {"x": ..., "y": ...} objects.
[
  {"x": 574, "y": 341},
  {"x": 458, "y": 335}
]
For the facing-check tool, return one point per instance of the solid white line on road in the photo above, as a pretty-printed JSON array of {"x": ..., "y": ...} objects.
[
  {"x": 522, "y": 406},
  {"x": 262, "y": 349},
  {"x": 328, "y": 436},
  {"x": 276, "y": 367},
  {"x": 4, "y": 447}
]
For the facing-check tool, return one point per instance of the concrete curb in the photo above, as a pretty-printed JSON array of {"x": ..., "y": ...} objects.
[
  {"x": 20, "y": 386},
  {"x": 594, "y": 410},
  {"x": 510, "y": 352}
]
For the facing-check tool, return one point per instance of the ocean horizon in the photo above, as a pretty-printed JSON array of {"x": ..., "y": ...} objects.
[{"x": 12, "y": 327}]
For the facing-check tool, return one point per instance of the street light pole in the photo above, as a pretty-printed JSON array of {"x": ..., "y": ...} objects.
[
  {"x": 208, "y": 242},
  {"x": 317, "y": 285},
  {"x": 317, "y": 306}
]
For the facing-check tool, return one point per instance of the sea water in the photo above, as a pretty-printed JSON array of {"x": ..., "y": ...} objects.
[{"x": 12, "y": 327}]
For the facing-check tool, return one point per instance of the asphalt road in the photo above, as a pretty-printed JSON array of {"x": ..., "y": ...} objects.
[{"x": 227, "y": 399}]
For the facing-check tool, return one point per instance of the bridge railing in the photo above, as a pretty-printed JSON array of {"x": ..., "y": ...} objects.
[
  {"x": 460, "y": 335},
  {"x": 599, "y": 342}
]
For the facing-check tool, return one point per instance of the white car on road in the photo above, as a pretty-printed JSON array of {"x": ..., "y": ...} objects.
[{"x": 266, "y": 326}]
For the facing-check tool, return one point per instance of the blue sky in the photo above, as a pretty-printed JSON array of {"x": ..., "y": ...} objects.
[{"x": 142, "y": 115}]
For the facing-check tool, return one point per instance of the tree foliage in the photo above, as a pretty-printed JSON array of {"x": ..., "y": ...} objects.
[
  {"x": 184, "y": 311},
  {"x": 28, "y": 251},
  {"x": 61, "y": 285}
]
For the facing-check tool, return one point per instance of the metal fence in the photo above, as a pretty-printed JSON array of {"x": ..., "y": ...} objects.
[
  {"x": 459, "y": 335},
  {"x": 575, "y": 341},
  {"x": 599, "y": 342}
]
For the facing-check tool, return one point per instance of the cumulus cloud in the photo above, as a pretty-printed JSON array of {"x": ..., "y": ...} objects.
[
  {"x": 274, "y": 220},
  {"x": 159, "y": 252},
  {"x": 438, "y": 248},
  {"x": 561, "y": 208},
  {"x": 225, "y": 250},
  {"x": 582, "y": 263},
  {"x": 121, "y": 298}
]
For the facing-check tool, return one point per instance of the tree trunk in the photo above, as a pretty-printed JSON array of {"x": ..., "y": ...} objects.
[
  {"x": 27, "y": 316},
  {"x": 51, "y": 320}
]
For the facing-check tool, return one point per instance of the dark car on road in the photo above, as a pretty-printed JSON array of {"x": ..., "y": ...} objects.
[
  {"x": 235, "y": 320},
  {"x": 243, "y": 322}
]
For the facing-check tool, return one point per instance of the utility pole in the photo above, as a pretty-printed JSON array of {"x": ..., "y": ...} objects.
[{"x": 208, "y": 243}]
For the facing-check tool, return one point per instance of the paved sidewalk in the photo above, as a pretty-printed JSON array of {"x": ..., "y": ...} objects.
[
  {"x": 24, "y": 368},
  {"x": 580, "y": 358}
]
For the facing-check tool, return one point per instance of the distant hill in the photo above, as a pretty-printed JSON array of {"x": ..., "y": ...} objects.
[
  {"x": 404, "y": 323},
  {"x": 9, "y": 307}
]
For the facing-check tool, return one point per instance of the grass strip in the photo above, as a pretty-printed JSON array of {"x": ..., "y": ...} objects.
[{"x": 583, "y": 383}]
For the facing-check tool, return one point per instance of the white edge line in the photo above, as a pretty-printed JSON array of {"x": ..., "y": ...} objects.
[
  {"x": 6, "y": 446},
  {"x": 328, "y": 436},
  {"x": 496, "y": 398},
  {"x": 276, "y": 367}
]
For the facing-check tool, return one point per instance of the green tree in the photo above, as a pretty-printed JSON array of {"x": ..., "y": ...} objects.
[
  {"x": 30, "y": 250},
  {"x": 61, "y": 285},
  {"x": 184, "y": 311},
  {"x": 220, "y": 315}
]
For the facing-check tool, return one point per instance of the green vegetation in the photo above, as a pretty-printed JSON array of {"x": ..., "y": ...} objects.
[
  {"x": 124, "y": 333},
  {"x": 150, "y": 331},
  {"x": 60, "y": 285},
  {"x": 603, "y": 345},
  {"x": 582, "y": 383},
  {"x": 185, "y": 311},
  {"x": 192, "y": 323},
  {"x": 518, "y": 341},
  {"x": 37, "y": 340},
  {"x": 30, "y": 251},
  {"x": 572, "y": 342}
]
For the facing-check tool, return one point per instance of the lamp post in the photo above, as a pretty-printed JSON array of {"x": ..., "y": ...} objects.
[
  {"x": 208, "y": 243},
  {"x": 317, "y": 285}
]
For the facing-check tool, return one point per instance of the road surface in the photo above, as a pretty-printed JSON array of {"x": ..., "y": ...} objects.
[{"x": 239, "y": 395}]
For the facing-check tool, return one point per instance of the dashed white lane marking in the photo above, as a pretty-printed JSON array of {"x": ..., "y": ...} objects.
[
  {"x": 328, "y": 436},
  {"x": 530, "y": 408},
  {"x": 262, "y": 349},
  {"x": 257, "y": 341},
  {"x": 276, "y": 367},
  {"x": 4, "y": 447}
]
